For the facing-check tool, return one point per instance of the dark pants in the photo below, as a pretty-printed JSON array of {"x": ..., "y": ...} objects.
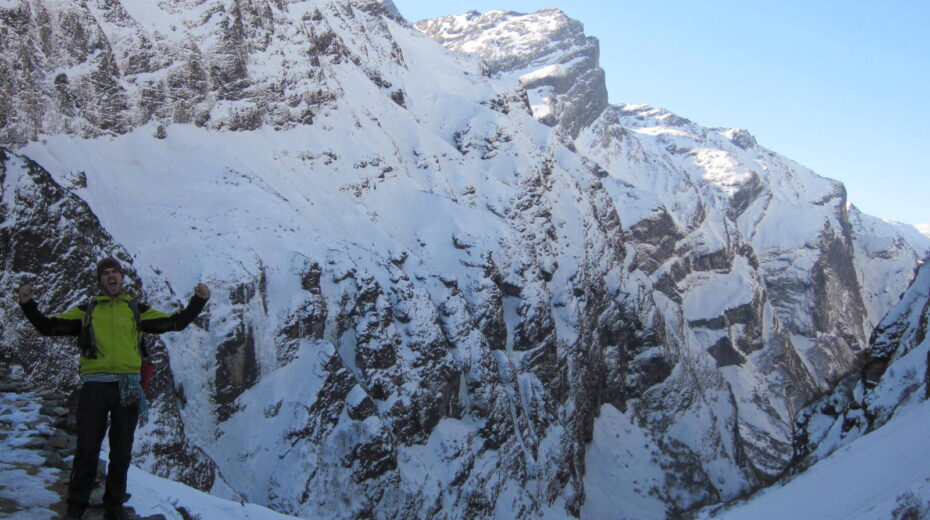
[{"x": 96, "y": 403}]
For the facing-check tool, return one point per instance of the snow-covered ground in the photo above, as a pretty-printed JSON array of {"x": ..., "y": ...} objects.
[
  {"x": 153, "y": 495},
  {"x": 32, "y": 490},
  {"x": 23, "y": 479},
  {"x": 876, "y": 477}
]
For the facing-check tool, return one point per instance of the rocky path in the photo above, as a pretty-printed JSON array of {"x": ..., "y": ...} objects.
[{"x": 36, "y": 449}]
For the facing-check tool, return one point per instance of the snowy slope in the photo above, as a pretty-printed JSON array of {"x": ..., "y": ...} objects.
[
  {"x": 153, "y": 495},
  {"x": 865, "y": 448},
  {"x": 31, "y": 486},
  {"x": 879, "y": 476},
  {"x": 887, "y": 253}
]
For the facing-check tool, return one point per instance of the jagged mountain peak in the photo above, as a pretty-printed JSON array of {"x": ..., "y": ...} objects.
[
  {"x": 504, "y": 34},
  {"x": 546, "y": 51},
  {"x": 392, "y": 10}
]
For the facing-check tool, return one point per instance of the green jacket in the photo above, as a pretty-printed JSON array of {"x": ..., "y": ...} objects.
[{"x": 115, "y": 332}]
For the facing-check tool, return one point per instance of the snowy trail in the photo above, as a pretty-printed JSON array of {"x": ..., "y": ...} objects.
[{"x": 33, "y": 479}]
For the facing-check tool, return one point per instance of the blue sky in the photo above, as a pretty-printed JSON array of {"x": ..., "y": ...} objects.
[{"x": 841, "y": 87}]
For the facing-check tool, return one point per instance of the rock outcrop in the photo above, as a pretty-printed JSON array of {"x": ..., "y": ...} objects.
[{"x": 894, "y": 378}]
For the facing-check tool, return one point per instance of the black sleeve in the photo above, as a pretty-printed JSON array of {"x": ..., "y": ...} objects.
[
  {"x": 177, "y": 321},
  {"x": 49, "y": 326}
]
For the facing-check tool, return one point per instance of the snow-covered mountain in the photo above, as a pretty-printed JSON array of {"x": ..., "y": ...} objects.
[
  {"x": 893, "y": 380},
  {"x": 872, "y": 425},
  {"x": 774, "y": 272},
  {"x": 446, "y": 285}
]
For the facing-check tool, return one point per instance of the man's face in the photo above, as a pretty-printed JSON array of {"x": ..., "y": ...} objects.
[{"x": 112, "y": 281}]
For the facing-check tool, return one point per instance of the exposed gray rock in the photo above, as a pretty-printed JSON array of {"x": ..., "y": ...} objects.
[
  {"x": 894, "y": 379},
  {"x": 550, "y": 53},
  {"x": 115, "y": 84}
]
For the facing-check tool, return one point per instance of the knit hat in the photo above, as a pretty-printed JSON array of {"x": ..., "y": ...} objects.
[{"x": 107, "y": 263}]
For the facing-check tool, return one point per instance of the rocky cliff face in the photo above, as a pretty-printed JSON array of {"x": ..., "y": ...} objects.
[
  {"x": 48, "y": 235},
  {"x": 782, "y": 322},
  {"x": 705, "y": 186},
  {"x": 426, "y": 303},
  {"x": 894, "y": 379},
  {"x": 554, "y": 60},
  {"x": 105, "y": 68}
]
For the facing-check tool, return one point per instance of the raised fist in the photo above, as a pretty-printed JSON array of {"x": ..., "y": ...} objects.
[
  {"x": 25, "y": 292},
  {"x": 202, "y": 291}
]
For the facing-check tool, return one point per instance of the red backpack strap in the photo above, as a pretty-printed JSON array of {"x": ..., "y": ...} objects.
[{"x": 148, "y": 368}]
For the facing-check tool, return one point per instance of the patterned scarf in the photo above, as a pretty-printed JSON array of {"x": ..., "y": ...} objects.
[{"x": 130, "y": 390}]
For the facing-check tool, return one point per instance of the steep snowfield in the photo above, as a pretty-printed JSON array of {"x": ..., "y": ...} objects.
[
  {"x": 887, "y": 253},
  {"x": 916, "y": 236},
  {"x": 872, "y": 478},
  {"x": 153, "y": 495}
]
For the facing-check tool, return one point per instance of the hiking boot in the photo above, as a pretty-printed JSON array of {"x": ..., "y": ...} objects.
[
  {"x": 73, "y": 513},
  {"x": 115, "y": 514}
]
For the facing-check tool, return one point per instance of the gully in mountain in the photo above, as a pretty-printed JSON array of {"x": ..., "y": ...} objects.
[{"x": 110, "y": 329}]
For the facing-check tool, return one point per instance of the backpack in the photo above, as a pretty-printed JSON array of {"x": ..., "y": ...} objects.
[{"x": 88, "y": 345}]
